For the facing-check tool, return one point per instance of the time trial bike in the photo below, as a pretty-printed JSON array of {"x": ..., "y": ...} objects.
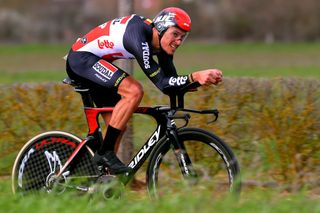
[{"x": 179, "y": 157}]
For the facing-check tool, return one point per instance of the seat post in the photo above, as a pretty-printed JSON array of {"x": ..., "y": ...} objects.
[
  {"x": 85, "y": 96},
  {"x": 83, "y": 91}
]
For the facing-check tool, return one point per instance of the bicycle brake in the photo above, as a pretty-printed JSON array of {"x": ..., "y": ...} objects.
[{"x": 215, "y": 113}]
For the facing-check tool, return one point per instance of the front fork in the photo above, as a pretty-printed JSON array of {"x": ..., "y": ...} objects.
[{"x": 181, "y": 154}]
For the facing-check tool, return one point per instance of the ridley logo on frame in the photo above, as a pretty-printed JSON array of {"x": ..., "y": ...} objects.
[{"x": 152, "y": 141}]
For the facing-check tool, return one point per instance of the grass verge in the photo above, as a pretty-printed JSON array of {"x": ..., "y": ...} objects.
[{"x": 259, "y": 200}]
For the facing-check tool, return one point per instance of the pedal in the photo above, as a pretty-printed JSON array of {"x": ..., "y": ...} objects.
[{"x": 109, "y": 186}]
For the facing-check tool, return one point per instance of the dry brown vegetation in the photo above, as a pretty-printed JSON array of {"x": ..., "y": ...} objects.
[{"x": 273, "y": 125}]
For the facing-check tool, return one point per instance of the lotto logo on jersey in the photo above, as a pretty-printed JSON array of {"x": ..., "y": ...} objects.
[
  {"x": 178, "y": 80},
  {"x": 105, "y": 44},
  {"x": 105, "y": 70}
]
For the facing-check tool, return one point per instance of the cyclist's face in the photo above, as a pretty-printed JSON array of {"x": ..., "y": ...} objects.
[{"x": 172, "y": 39}]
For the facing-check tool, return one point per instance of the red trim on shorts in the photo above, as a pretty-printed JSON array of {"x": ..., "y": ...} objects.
[{"x": 108, "y": 65}]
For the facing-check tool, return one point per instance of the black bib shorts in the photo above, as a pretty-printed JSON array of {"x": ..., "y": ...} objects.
[{"x": 100, "y": 76}]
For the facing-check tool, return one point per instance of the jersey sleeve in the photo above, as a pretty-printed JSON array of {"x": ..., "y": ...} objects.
[
  {"x": 137, "y": 41},
  {"x": 166, "y": 78}
]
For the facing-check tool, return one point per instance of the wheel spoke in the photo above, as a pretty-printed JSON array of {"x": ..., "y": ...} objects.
[
  {"x": 36, "y": 170},
  {"x": 214, "y": 166}
]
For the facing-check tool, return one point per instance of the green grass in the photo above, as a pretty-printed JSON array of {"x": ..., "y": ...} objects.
[
  {"x": 43, "y": 62},
  {"x": 32, "y": 62},
  {"x": 260, "y": 200}
]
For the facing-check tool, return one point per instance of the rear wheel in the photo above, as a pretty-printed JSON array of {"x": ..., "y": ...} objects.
[
  {"x": 215, "y": 166},
  {"x": 42, "y": 157}
]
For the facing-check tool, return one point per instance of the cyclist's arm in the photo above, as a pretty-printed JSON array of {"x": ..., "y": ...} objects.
[
  {"x": 164, "y": 76},
  {"x": 167, "y": 76}
]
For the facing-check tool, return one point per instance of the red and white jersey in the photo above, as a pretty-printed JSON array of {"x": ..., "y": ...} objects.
[
  {"x": 106, "y": 40},
  {"x": 130, "y": 37}
]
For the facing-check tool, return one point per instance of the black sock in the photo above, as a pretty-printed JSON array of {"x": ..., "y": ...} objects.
[{"x": 110, "y": 140}]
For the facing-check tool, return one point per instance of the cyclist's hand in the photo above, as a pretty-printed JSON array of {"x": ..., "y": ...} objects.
[{"x": 208, "y": 77}]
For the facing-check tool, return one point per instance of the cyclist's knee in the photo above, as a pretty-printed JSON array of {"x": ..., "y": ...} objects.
[
  {"x": 132, "y": 89},
  {"x": 137, "y": 91}
]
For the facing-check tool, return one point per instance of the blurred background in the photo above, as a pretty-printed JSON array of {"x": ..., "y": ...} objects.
[
  {"x": 269, "y": 99},
  {"x": 220, "y": 20}
]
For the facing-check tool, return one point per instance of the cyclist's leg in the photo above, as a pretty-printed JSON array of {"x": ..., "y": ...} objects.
[
  {"x": 106, "y": 117},
  {"x": 123, "y": 109},
  {"x": 132, "y": 93},
  {"x": 107, "y": 84}
]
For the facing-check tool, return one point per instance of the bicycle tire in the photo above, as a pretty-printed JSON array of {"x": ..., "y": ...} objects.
[
  {"x": 43, "y": 156},
  {"x": 216, "y": 166}
]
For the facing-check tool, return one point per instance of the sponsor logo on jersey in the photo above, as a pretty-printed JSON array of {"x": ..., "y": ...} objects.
[
  {"x": 146, "y": 54},
  {"x": 116, "y": 20},
  {"x": 178, "y": 80},
  {"x": 100, "y": 77},
  {"x": 84, "y": 40},
  {"x": 154, "y": 73},
  {"x": 103, "y": 71},
  {"x": 120, "y": 79},
  {"x": 105, "y": 44}
]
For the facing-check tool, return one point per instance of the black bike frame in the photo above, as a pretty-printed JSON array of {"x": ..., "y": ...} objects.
[
  {"x": 163, "y": 115},
  {"x": 94, "y": 137}
]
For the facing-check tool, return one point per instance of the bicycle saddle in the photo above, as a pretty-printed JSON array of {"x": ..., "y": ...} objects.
[{"x": 73, "y": 83}]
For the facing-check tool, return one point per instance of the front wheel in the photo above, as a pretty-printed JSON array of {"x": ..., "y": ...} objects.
[
  {"x": 215, "y": 167},
  {"x": 43, "y": 156}
]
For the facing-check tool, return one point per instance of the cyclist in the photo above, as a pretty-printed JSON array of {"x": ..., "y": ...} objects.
[{"x": 133, "y": 37}]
